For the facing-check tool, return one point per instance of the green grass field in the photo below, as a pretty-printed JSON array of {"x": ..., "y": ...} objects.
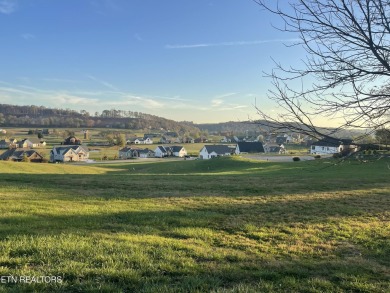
[{"x": 222, "y": 225}]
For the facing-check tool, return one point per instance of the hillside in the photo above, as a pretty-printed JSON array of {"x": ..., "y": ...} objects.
[
  {"x": 39, "y": 116},
  {"x": 223, "y": 225},
  {"x": 261, "y": 126}
]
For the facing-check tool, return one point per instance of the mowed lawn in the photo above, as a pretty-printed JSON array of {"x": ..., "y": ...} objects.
[{"x": 222, "y": 225}]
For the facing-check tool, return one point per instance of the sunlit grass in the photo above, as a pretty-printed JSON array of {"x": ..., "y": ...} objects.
[{"x": 224, "y": 225}]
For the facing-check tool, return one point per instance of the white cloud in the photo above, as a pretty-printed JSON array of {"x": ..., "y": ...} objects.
[
  {"x": 235, "y": 43},
  {"x": 60, "y": 80},
  {"x": 216, "y": 102},
  {"x": 8, "y": 6},
  {"x": 66, "y": 99}
]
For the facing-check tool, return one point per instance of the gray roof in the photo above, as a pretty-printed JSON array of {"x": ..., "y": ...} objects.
[
  {"x": 176, "y": 148},
  {"x": 17, "y": 154},
  {"x": 63, "y": 149},
  {"x": 162, "y": 149},
  {"x": 332, "y": 142},
  {"x": 250, "y": 147},
  {"x": 145, "y": 151},
  {"x": 126, "y": 149},
  {"x": 219, "y": 149}
]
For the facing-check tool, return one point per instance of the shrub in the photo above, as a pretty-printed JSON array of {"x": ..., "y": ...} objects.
[
  {"x": 337, "y": 155},
  {"x": 317, "y": 157},
  {"x": 296, "y": 159}
]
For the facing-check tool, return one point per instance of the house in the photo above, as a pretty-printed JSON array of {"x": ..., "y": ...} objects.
[
  {"x": 5, "y": 144},
  {"x": 146, "y": 153},
  {"x": 25, "y": 143},
  {"x": 171, "y": 133},
  {"x": 18, "y": 155},
  {"x": 249, "y": 147},
  {"x": 148, "y": 140},
  {"x": 283, "y": 139},
  {"x": 178, "y": 151},
  {"x": 213, "y": 151},
  {"x": 188, "y": 139},
  {"x": 30, "y": 143},
  {"x": 139, "y": 141},
  {"x": 162, "y": 151},
  {"x": 332, "y": 146},
  {"x": 127, "y": 153},
  {"x": 151, "y": 135},
  {"x": 274, "y": 148},
  {"x": 169, "y": 139},
  {"x": 165, "y": 139},
  {"x": 71, "y": 153},
  {"x": 202, "y": 139},
  {"x": 225, "y": 139},
  {"x": 72, "y": 140},
  {"x": 13, "y": 141}
]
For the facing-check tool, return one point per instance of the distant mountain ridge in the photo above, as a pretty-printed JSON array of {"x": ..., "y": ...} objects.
[{"x": 40, "y": 116}]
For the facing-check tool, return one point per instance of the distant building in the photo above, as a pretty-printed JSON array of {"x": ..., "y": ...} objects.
[
  {"x": 249, "y": 147},
  {"x": 18, "y": 155},
  {"x": 71, "y": 153},
  {"x": 127, "y": 153},
  {"x": 213, "y": 151},
  {"x": 332, "y": 146},
  {"x": 72, "y": 140},
  {"x": 31, "y": 143}
]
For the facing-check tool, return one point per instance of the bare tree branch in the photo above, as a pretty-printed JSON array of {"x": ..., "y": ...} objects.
[{"x": 348, "y": 56}]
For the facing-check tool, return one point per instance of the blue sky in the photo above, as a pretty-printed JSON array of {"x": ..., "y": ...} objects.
[{"x": 195, "y": 60}]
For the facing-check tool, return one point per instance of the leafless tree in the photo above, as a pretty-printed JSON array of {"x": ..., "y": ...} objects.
[{"x": 346, "y": 72}]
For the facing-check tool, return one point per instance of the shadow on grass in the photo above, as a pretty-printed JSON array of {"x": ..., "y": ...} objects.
[
  {"x": 129, "y": 184},
  {"x": 227, "y": 226},
  {"x": 238, "y": 213}
]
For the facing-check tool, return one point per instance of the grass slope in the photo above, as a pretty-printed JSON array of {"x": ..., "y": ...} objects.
[{"x": 222, "y": 225}]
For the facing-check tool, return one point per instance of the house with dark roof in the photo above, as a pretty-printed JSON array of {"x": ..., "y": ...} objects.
[
  {"x": 213, "y": 151},
  {"x": 171, "y": 133},
  {"x": 71, "y": 153},
  {"x": 127, "y": 153},
  {"x": 249, "y": 147},
  {"x": 5, "y": 144},
  {"x": 145, "y": 153},
  {"x": 274, "y": 148},
  {"x": 31, "y": 143},
  {"x": 18, "y": 155},
  {"x": 283, "y": 139},
  {"x": 162, "y": 151},
  {"x": 332, "y": 146},
  {"x": 72, "y": 140},
  {"x": 178, "y": 151}
]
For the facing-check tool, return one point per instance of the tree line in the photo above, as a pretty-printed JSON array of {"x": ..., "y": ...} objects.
[{"x": 39, "y": 116}]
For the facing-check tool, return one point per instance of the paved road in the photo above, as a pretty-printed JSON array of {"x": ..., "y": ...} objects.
[
  {"x": 276, "y": 158},
  {"x": 138, "y": 160}
]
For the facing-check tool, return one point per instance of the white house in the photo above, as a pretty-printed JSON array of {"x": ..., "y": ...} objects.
[
  {"x": 331, "y": 146},
  {"x": 161, "y": 151},
  {"x": 178, "y": 151},
  {"x": 71, "y": 153},
  {"x": 148, "y": 140},
  {"x": 213, "y": 151}
]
